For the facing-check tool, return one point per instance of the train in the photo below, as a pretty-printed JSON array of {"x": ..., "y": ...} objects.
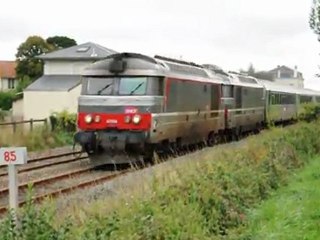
[{"x": 136, "y": 105}]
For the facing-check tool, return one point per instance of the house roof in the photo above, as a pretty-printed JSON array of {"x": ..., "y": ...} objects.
[
  {"x": 85, "y": 51},
  {"x": 55, "y": 83},
  {"x": 284, "y": 68},
  {"x": 8, "y": 69}
]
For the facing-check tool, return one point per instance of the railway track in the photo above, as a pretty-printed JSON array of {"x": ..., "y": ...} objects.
[
  {"x": 64, "y": 190},
  {"x": 47, "y": 161}
]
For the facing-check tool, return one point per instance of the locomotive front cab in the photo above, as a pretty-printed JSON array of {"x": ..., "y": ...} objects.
[{"x": 114, "y": 109}]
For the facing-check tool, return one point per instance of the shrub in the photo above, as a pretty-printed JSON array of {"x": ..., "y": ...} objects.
[
  {"x": 6, "y": 99},
  {"x": 63, "y": 121},
  {"x": 41, "y": 137},
  {"x": 310, "y": 112},
  {"x": 33, "y": 224}
]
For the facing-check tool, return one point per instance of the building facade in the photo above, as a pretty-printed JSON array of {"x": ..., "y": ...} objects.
[
  {"x": 287, "y": 76},
  {"x": 8, "y": 79},
  {"x": 59, "y": 87}
]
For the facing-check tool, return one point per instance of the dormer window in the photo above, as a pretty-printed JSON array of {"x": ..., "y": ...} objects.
[{"x": 83, "y": 49}]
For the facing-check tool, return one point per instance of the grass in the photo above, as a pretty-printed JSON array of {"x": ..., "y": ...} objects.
[
  {"x": 40, "y": 138},
  {"x": 292, "y": 213},
  {"x": 204, "y": 198}
]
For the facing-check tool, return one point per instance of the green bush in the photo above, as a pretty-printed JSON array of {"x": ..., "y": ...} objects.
[
  {"x": 34, "y": 224},
  {"x": 311, "y": 111},
  {"x": 206, "y": 199},
  {"x": 63, "y": 121},
  {"x": 6, "y": 100}
]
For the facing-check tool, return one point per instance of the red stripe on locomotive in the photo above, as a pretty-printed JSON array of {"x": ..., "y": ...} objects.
[{"x": 113, "y": 121}]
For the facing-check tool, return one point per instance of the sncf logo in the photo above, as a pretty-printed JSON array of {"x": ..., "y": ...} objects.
[{"x": 130, "y": 110}]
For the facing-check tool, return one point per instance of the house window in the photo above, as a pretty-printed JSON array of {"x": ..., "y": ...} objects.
[{"x": 11, "y": 83}]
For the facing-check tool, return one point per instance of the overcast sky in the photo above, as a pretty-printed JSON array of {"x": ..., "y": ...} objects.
[{"x": 228, "y": 33}]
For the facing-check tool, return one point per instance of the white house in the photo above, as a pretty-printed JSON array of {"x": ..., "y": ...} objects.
[
  {"x": 59, "y": 87},
  {"x": 287, "y": 76},
  {"x": 8, "y": 75}
]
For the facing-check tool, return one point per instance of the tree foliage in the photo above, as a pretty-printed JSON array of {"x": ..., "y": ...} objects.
[
  {"x": 27, "y": 63},
  {"x": 257, "y": 74},
  {"x": 29, "y": 67},
  {"x": 61, "y": 42},
  {"x": 6, "y": 100},
  {"x": 314, "y": 20}
]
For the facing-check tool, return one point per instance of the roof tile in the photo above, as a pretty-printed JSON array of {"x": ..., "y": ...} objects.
[{"x": 8, "y": 69}]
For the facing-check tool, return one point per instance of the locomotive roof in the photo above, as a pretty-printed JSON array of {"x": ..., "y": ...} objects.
[
  {"x": 138, "y": 64},
  {"x": 243, "y": 80}
]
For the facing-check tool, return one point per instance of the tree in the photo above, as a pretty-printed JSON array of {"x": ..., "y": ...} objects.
[
  {"x": 27, "y": 63},
  {"x": 61, "y": 42},
  {"x": 257, "y": 74},
  {"x": 314, "y": 20},
  {"x": 251, "y": 71}
]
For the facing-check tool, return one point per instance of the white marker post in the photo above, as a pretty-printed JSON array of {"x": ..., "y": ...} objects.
[{"x": 13, "y": 156}]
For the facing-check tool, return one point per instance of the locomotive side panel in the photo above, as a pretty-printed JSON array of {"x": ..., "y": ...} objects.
[{"x": 192, "y": 112}]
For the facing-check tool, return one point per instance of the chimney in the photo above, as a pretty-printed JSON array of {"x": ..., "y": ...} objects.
[
  {"x": 278, "y": 72},
  {"x": 295, "y": 72}
]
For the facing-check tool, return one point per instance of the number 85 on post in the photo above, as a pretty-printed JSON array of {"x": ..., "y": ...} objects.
[{"x": 13, "y": 156}]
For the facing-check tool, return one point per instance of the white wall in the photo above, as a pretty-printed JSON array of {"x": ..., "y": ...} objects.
[
  {"x": 41, "y": 104},
  {"x": 65, "y": 67},
  {"x": 17, "y": 109},
  {"x": 4, "y": 84},
  {"x": 291, "y": 82}
]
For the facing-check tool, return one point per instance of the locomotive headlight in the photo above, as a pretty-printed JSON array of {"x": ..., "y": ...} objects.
[
  {"x": 88, "y": 118},
  {"x": 127, "y": 119},
  {"x": 136, "y": 119}
]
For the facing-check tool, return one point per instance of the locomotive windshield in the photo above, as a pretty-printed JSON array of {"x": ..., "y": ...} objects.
[
  {"x": 126, "y": 85},
  {"x": 133, "y": 86},
  {"x": 99, "y": 86}
]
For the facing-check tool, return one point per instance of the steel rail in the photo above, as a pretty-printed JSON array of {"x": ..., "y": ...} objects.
[
  {"x": 87, "y": 183},
  {"x": 28, "y": 168},
  {"x": 48, "y": 180}
]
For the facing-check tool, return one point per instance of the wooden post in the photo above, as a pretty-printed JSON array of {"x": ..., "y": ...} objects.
[
  {"x": 31, "y": 124},
  {"x": 45, "y": 123}
]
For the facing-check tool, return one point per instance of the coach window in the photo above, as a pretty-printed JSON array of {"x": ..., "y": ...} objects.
[
  {"x": 305, "y": 99},
  {"x": 272, "y": 99},
  {"x": 278, "y": 99}
]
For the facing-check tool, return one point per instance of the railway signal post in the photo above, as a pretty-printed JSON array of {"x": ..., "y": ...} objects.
[{"x": 13, "y": 156}]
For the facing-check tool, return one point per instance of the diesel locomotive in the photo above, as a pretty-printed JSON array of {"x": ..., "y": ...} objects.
[{"x": 136, "y": 105}]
